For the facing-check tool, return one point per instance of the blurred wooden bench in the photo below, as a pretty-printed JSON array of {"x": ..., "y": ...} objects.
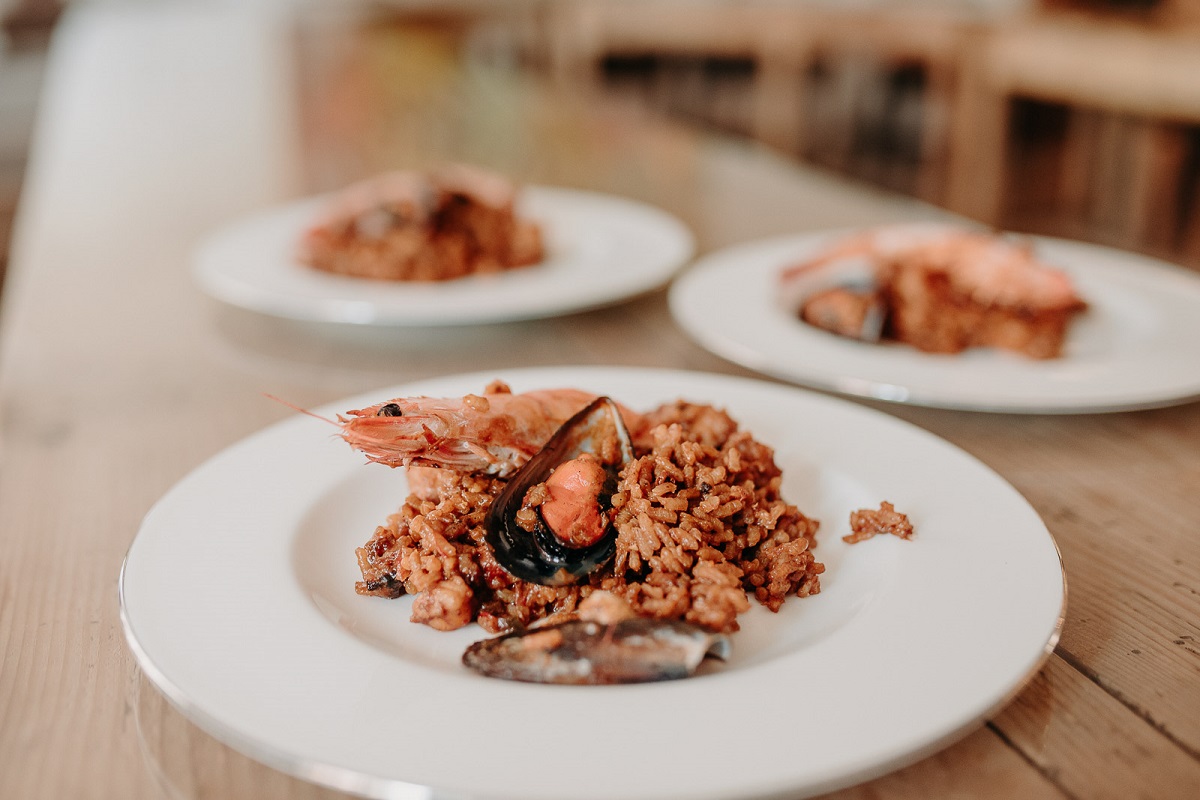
[
  {"x": 1124, "y": 88},
  {"x": 817, "y": 69},
  {"x": 1124, "y": 169}
]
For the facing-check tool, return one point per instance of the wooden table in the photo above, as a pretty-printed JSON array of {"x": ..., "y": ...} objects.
[{"x": 118, "y": 377}]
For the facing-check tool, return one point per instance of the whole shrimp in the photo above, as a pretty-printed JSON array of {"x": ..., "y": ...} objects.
[{"x": 493, "y": 433}]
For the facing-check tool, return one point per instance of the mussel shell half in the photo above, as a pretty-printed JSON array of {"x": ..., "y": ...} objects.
[
  {"x": 577, "y": 652},
  {"x": 852, "y": 275},
  {"x": 540, "y": 556}
]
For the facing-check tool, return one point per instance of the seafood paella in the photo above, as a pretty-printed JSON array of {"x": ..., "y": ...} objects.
[
  {"x": 936, "y": 288},
  {"x": 439, "y": 225},
  {"x": 528, "y": 512}
]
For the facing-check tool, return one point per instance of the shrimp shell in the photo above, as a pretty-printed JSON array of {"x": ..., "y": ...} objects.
[{"x": 493, "y": 433}]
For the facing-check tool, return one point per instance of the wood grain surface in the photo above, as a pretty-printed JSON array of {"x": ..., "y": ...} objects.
[{"x": 117, "y": 377}]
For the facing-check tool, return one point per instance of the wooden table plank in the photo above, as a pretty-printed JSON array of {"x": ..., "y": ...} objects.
[{"x": 1082, "y": 737}]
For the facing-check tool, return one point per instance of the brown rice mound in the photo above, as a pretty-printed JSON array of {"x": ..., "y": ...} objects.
[
  {"x": 416, "y": 226},
  {"x": 700, "y": 525}
]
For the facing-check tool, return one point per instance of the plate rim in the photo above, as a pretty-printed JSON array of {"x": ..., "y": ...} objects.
[
  {"x": 881, "y": 390},
  {"x": 347, "y": 779}
]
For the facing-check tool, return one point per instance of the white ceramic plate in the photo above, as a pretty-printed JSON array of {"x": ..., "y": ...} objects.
[
  {"x": 238, "y": 600},
  {"x": 1138, "y": 345},
  {"x": 600, "y": 249}
]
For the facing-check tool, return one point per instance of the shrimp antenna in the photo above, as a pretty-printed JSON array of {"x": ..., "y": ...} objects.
[{"x": 295, "y": 407}]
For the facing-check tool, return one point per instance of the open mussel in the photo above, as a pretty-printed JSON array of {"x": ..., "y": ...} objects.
[
  {"x": 840, "y": 294},
  {"x": 855, "y": 311},
  {"x": 563, "y": 533},
  {"x": 635, "y": 650},
  {"x": 593, "y": 649}
]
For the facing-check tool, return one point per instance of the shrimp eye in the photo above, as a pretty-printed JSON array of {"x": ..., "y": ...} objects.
[{"x": 389, "y": 410}]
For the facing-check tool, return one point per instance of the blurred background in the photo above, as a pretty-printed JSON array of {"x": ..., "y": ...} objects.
[{"x": 1076, "y": 118}]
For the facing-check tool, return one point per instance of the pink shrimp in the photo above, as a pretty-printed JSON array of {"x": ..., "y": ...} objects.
[
  {"x": 991, "y": 268},
  {"x": 493, "y": 433}
]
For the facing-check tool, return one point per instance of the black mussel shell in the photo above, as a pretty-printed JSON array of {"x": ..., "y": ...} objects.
[
  {"x": 541, "y": 557},
  {"x": 583, "y": 652}
]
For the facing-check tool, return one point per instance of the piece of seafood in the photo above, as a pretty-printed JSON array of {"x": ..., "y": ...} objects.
[
  {"x": 939, "y": 288},
  {"x": 988, "y": 268},
  {"x": 839, "y": 292},
  {"x": 605, "y": 644},
  {"x": 854, "y": 310},
  {"x": 493, "y": 433},
  {"x": 550, "y": 524}
]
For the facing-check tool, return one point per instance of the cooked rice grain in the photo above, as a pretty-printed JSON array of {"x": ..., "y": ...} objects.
[{"x": 700, "y": 526}]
